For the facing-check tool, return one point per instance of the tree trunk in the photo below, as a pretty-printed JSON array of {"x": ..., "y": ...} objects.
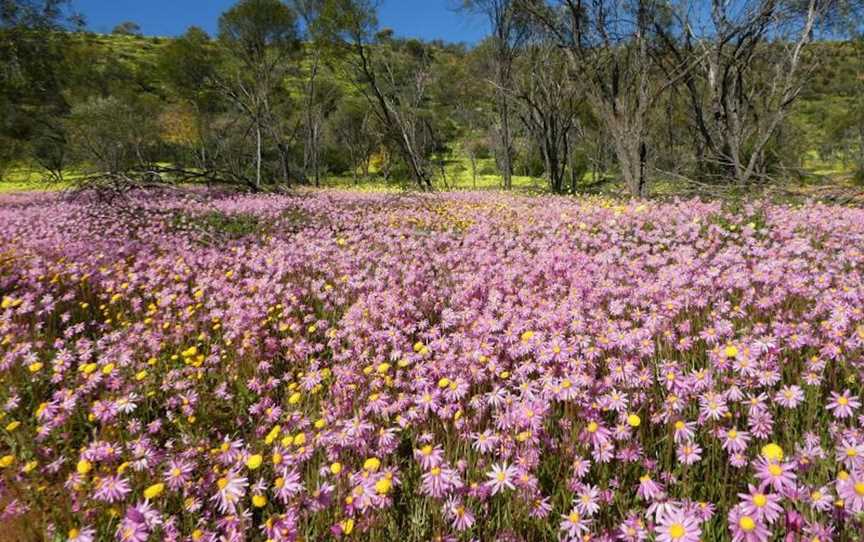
[
  {"x": 506, "y": 144},
  {"x": 258, "y": 156},
  {"x": 284, "y": 158},
  {"x": 632, "y": 158}
]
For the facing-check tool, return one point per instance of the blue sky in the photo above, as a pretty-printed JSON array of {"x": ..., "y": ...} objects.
[{"x": 427, "y": 19}]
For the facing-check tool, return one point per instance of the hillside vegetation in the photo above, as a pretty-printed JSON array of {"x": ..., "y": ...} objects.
[{"x": 328, "y": 98}]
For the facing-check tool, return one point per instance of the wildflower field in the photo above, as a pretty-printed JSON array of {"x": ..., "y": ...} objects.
[{"x": 375, "y": 367}]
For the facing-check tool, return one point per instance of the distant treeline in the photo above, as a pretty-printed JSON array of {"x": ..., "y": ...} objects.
[{"x": 716, "y": 92}]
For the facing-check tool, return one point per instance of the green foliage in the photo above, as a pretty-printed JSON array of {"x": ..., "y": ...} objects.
[
  {"x": 31, "y": 53},
  {"x": 114, "y": 134},
  {"x": 127, "y": 28},
  {"x": 233, "y": 225},
  {"x": 252, "y": 28},
  {"x": 187, "y": 63}
]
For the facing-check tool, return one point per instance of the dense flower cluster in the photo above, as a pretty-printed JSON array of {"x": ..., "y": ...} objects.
[{"x": 466, "y": 367}]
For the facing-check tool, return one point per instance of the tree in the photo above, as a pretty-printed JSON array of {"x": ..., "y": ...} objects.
[
  {"x": 127, "y": 28},
  {"x": 352, "y": 131},
  {"x": 258, "y": 38},
  {"x": 31, "y": 68},
  {"x": 188, "y": 65},
  {"x": 472, "y": 107},
  {"x": 749, "y": 69},
  {"x": 115, "y": 135},
  {"x": 315, "y": 106},
  {"x": 395, "y": 89},
  {"x": 509, "y": 30},
  {"x": 613, "y": 45},
  {"x": 550, "y": 101}
]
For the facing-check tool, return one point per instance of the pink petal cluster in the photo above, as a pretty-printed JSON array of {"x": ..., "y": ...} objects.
[{"x": 451, "y": 367}]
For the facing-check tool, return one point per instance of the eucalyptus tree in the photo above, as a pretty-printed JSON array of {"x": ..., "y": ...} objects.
[
  {"x": 259, "y": 39},
  {"x": 549, "y": 96},
  {"x": 32, "y": 103},
  {"x": 613, "y": 45},
  {"x": 748, "y": 70},
  {"x": 315, "y": 102},
  {"x": 188, "y": 65},
  {"x": 351, "y": 128},
  {"x": 393, "y": 76},
  {"x": 509, "y": 30}
]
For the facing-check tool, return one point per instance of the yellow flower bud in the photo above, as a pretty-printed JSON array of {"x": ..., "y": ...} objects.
[
  {"x": 772, "y": 452},
  {"x": 154, "y": 491},
  {"x": 254, "y": 461},
  {"x": 383, "y": 486},
  {"x": 83, "y": 467}
]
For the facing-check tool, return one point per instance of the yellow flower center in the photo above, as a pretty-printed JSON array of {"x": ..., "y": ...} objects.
[
  {"x": 677, "y": 531},
  {"x": 760, "y": 500},
  {"x": 775, "y": 469},
  {"x": 859, "y": 489},
  {"x": 747, "y": 524},
  {"x": 221, "y": 483}
]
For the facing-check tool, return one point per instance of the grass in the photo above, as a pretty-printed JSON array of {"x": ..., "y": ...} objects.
[
  {"x": 819, "y": 174},
  {"x": 24, "y": 179}
]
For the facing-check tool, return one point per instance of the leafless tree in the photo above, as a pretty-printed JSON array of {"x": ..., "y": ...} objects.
[
  {"x": 748, "y": 70},
  {"x": 258, "y": 37},
  {"x": 549, "y": 98},
  {"x": 612, "y": 44},
  {"x": 394, "y": 85},
  {"x": 509, "y": 31}
]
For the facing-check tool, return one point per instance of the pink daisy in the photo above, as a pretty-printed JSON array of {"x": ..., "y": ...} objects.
[
  {"x": 677, "y": 526},
  {"x": 501, "y": 477}
]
